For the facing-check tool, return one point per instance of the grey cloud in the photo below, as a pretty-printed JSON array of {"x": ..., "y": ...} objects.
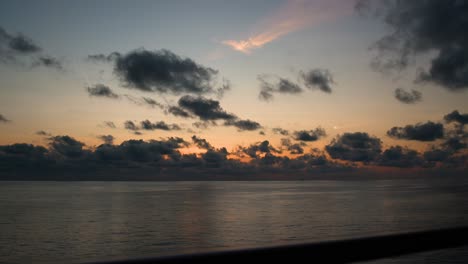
[
  {"x": 130, "y": 125},
  {"x": 293, "y": 148},
  {"x": 49, "y": 62},
  {"x": 318, "y": 78},
  {"x": 104, "y": 58},
  {"x": 254, "y": 150},
  {"x": 244, "y": 125},
  {"x": 67, "y": 146},
  {"x": 456, "y": 117},
  {"x": 204, "y": 108},
  {"x": 201, "y": 143},
  {"x": 109, "y": 124},
  {"x": 101, "y": 90},
  {"x": 164, "y": 72},
  {"x": 107, "y": 139},
  {"x": 160, "y": 125},
  {"x": 408, "y": 97},
  {"x": 43, "y": 133},
  {"x": 310, "y": 135},
  {"x": 151, "y": 102},
  {"x": 420, "y": 28},
  {"x": 3, "y": 119},
  {"x": 429, "y": 131},
  {"x": 279, "y": 130},
  {"x": 397, "y": 156},
  {"x": 283, "y": 86},
  {"x": 358, "y": 146},
  {"x": 19, "y": 49},
  {"x": 203, "y": 125},
  {"x": 178, "y": 111}
]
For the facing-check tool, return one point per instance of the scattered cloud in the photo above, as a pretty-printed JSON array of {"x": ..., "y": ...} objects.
[
  {"x": 204, "y": 108},
  {"x": 160, "y": 125},
  {"x": 107, "y": 139},
  {"x": 254, "y": 150},
  {"x": 201, "y": 143},
  {"x": 101, "y": 90},
  {"x": 398, "y": 156},
  {"x": 293, "y": 148},
  {"x": 163, "y": 72},
  {"x": 283, "y": 86},
  {"x": 310, "y": 135},
  {"x": 243, "y": 125},
  {"x": 358, "y": 146},
  {"x": 280, "y": 131},
  {"x": 423, "y": 28},
  {"x": 67, "y": 146},
  {"x": 43, "y": 133},
  {"x": 321, "y": 79},
  {"x": 408, "y": 97},
  {"x": 456, "y": 117},
  {"x": 178, "y": 111},
  {"x": 318, "y": 78},
  {"x": 109, "y": 124},
  {"x": 429, "y": 131},
  {"x": 3, "y": 119},
  {"x": 20, "y": 49}
]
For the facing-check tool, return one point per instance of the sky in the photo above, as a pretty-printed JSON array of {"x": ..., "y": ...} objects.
[{"x": 249, "y": 87}]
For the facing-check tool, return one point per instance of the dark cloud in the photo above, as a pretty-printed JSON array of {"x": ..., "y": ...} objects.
[
  {"x": 21, "y": 44},
  {"x": 215, "y": 158},
  {"x": 141, "y": 151},
  {"x": 49, "y": 62},
  {"x": 358, "y": 146},
  {"x": 282, "y": 86},
  {"x": 204, "y": 108},
  {"x": 143, "y": 101},
  {"x": 19, "y": 48},
  {"x": 160, "y": 125},
  {"x": 101, "y": 90},
  {"x": 408, "y": 97},
  {"x": 318, "y": 78},
  {"x": 3, "y": 119},
  {"x": 163, "y": 72},
  {"x": 109, "y": 124},
  {"x": 130, "y": 125},
  {"x": 244, "y": 125},
  {"x": 293, "y": 148},
  {"x": 254, "y": 150},
  {"x": 310, "y": 135},
  {"x": 425, "y": 27},
  {"x": 151, "y": 102},
  {"x": 107, "y": 139},
  {"x": 43, "y": 133},
  {"x": 279, "y": 130},
  {"x": 456, "y": 117},
  {"x": 397, "y": 156},
  {"x": 163, "y": 159},
  {"x": 203, "y": 125},
  {"x": 429, "y": 131},
  {"x": 104, "y": 58},
  {"x": 201, "y": 143},
  {"x": 67, "y": 146},
  {"x": 178, "y": 111}
]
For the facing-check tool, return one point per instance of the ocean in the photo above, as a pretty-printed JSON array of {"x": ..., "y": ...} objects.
[{"x": 74, "y": 222}]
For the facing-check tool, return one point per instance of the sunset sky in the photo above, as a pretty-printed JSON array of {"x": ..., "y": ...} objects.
[{"x": 317, "y": 69}]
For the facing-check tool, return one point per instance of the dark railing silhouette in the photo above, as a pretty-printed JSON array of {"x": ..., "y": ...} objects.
[{"x": 343, "y": 251}]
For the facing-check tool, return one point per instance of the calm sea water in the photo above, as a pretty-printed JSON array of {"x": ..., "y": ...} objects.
[{"x": 89, "y": 221}]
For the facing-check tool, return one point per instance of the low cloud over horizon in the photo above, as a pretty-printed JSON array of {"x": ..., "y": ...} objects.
[{"x": 350, "y": 151}]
